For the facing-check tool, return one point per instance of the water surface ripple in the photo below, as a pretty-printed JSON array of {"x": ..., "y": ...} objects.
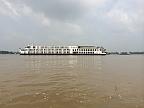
[{"x": 71, "y": 81}]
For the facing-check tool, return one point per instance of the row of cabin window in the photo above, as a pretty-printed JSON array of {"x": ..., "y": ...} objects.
[
  {"x": 86, "y": 52},
  {"x": 55, "y": 47},
  {"x": 48, "y": 52},
  {"x": 85, "y": 49},
  {"x": 49, "y": 49},
  {"x": 45, "y": 47}
]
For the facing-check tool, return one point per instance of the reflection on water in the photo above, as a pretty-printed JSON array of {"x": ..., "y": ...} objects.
[{"x": 71, "y": 81}]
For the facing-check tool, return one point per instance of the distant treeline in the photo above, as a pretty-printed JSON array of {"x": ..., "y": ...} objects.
[
  {"x": 124, "y": 53},
  {"x": 7, "y": 52},
  {"x": 136, "y": 52}
]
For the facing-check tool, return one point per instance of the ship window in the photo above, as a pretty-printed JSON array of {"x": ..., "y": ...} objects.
[{"x": 27, "y": 47}]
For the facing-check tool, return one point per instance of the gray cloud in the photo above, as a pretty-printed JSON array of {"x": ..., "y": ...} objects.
[
  {"x": 115, "y": 24},
  {"x": 58, "y": 9}
]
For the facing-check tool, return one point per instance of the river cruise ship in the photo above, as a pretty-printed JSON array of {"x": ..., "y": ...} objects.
[{"x": 62, "y": 50}]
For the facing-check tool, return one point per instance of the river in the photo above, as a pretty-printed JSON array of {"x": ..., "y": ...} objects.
[{"x": 72, "y": 81}]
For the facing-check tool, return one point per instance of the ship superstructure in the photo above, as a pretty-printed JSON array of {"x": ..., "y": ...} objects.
[{"x": 62, "y": 50}]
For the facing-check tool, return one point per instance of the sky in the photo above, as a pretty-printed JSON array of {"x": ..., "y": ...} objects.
[{"x": 117, "y": 25}]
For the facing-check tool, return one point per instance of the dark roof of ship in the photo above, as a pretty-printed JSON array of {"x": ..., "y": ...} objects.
[{"x": 87, "y": 47}]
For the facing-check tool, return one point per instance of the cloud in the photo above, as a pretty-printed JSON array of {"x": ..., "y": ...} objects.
[
  {"x": 119, "y": 15},
  {"x": 17, "y": 11},
  {"x": 129, "y": 14},
  {"x": 92, "y": 3},
  {"x": 7, "y": 8},
  {"x": 67, "y": 28},
  {"x": 65, "y": 9},
  {"x": 82, "y": 21}
]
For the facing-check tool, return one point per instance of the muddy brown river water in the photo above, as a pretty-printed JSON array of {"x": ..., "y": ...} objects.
[{"x": 110, "y": 81}]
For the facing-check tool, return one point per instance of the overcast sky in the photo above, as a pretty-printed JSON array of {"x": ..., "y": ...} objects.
[{"x": 117, "y": 25}]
